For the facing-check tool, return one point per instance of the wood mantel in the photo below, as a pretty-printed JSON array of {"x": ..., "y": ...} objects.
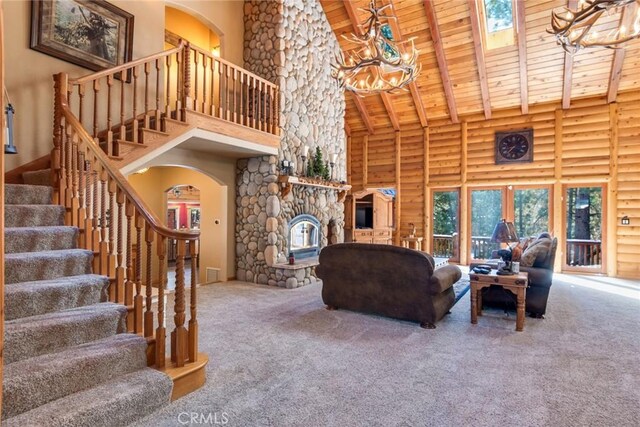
[{"x": 287, "y": 182}]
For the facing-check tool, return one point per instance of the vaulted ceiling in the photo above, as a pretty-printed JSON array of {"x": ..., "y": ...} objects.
[{"x": 460, "y": 77}]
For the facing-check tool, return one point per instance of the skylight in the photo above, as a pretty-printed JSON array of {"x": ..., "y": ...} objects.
[
  {"x": 497, "y": 23},
  {"x": 499, "y": 15}
]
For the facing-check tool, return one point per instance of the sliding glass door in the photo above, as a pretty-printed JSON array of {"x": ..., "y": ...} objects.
[
  {"x": 446, "y": 224},
  {"x": 584, "y": 219},
  {"x": 486, "y": 212}
]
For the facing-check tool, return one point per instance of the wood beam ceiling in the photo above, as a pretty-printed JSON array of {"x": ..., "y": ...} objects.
[
  {"x": 366, "y": 118},
  {"x": 413, "y": 87},
  {"x": 521, "y": 31},
  {"x": 568, "y": 69},
  {"x": 442, "y": 60},
  {"x": 626, "y": 20},
  {"x": 353, "y": 17},
  {"x": 479, "y": 53},
  {"x": 388, "y": 105}
]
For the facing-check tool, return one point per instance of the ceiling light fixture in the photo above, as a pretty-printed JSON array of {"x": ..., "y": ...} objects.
[
  {"x": 378, "y": 63},
  {"x": 575, "y": 29}
]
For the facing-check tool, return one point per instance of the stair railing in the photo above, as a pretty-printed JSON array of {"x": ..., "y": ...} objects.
[{"x": 117, "y": 225}]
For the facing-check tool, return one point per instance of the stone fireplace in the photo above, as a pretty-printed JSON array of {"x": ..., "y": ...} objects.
[
  {"x": 291, "y": 43},
  {"x": 304, "y": 237}
]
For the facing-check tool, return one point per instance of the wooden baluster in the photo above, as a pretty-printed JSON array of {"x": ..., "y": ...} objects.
[
  {"x": 147, "y": 118},
  {"x": 276, "y": 114},
  {"x": 68, "y": 160},
  {"x": 220, "y": 90},
  {"x": 196, "y": 88},
  {"x": 204, "y": 108},
  {"x": 75, "y": 176},
  {"x": 263, "y": 111},
  {"x": 112, "y": 146},
  {"x": 158, "y": 112},
  {"x": 193, "y": 321},
  {"x": 148, "y": 314},
  {"x": 104, "y": 246},
  {"x": 123, "y": 128},
  {"x": 119, "y": 240},
  {"x": 134, "y": 110},
  {"x": 129, "y": 284},
  {"x": 180, "y": 85},
  {"x": 81, "y": 104},
  {"x": 228, "y": 92},
  {"x": 234, "y": 92},
  {"x": 254, "y": 104},
  {"x": 167, "y": 107},
  {"x": 243, "y": 99},
  {"x": 161, "y": 330},
  {"x": 179, "y": 334},
  {"x": 92, "y": 223},
  {"x": 186, "y": 80},
  {"x": 60, "y": 83},
  {"x": 111, "y": 236},
  {"x": 212, "y": 106},
  {"x": 138, "y": 301},
  {"x": 84, "y": 195},
  {"x": 96, "y": 92}
]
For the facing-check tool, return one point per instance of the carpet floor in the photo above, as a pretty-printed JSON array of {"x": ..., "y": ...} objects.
[{"x": 278, "y": 358}]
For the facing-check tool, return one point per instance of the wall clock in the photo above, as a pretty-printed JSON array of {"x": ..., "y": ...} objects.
[{"x": 515, "y": 146}]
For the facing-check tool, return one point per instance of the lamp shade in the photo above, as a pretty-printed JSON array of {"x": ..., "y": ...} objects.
[{"x": 504, "y": 232}]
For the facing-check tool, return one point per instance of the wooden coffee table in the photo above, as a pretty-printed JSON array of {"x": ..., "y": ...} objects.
[{"x": 515, "y": 283}]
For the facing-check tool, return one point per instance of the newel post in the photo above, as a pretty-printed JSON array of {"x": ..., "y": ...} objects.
[
  {"x": 60, "y": 85},
  {"x": 186, "y": 80}
]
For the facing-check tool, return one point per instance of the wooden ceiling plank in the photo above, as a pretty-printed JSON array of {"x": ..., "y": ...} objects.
[
  {"x": 479, "y": 53},
  {"x": 442, "y": 60},
  {"x": 522, "y": 55},
  {"x": 628, "y": 15},
  {"x": 568, "y": 69},
  {"x": 366, "y": 118}
]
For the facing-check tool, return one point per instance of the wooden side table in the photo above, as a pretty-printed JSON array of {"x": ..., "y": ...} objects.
[
  {"x": 515, "y": 283},
  {"x": 412, "y": 242}
]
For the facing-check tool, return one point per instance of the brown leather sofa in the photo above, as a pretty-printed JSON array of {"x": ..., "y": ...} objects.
[
  {"x": 540, "y": 277},
  {"x": 386, "y": 280}
]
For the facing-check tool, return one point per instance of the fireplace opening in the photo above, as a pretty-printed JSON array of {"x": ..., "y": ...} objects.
[{"x": 304, "y": 236}]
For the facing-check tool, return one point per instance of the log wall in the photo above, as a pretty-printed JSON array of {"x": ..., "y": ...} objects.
[{"x": 593, "y": 142}]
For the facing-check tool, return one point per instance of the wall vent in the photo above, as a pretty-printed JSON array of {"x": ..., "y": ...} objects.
[{"x": 213, "y": 275}]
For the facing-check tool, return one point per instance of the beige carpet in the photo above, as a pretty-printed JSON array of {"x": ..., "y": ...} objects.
[{"x": 278, "y": 358}]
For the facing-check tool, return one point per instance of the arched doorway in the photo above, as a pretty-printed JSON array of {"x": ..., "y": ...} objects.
[
  {"x": 182, "y": 213},
  {"x": 182, "y": 24}
]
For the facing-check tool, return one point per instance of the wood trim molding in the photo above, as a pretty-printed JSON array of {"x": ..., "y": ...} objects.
[
  {"x": 398, "y": 183},
  {"x": 628, "y": 15},
  {"x": 612, "y": 196},
  {"x": 425, "y": 191},
  {"x": 479, "y": 53},
  {"x": 365, "y": 161},
  {"x": 347, "y": 128},
  {"x": 442, "y": 60},
  {"x": 521, "y": 34},
  {"x": 568, "y": 70}
]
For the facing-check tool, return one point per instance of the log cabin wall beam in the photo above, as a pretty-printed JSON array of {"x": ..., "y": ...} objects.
[
  {"x": 521, "y": 33},
  {"x": 612, "y": 196},
  {"x": 558, "y": 189},
  {"x": 626, "y": 20},
  {"x": 479, "y": 54},
  {"x": 365, "y": 161},
  {"x": 442, "y": 60},
  {"x": 398, "y": 213},
  {"x": 425, "y": 193},
  {"x": 568, "y": 69}
]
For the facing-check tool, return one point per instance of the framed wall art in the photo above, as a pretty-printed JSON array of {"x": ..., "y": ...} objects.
[{"x": 93, "y": 34}]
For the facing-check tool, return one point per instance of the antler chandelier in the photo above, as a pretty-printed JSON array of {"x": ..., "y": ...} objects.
[
  {"x": 574, "y": 29},
  {"x": 378, "y": 63}
]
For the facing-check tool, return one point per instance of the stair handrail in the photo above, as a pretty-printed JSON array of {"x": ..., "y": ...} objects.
[
  {"x": 127, "y": 65},
  {"x": 129, "y": 191}
]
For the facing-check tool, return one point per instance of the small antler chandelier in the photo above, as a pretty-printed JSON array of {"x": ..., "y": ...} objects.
[
  {"x": 378, "y": 63},
  {"x": 574, "y": 29}
]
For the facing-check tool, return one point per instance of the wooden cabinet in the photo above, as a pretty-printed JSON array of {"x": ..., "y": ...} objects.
[{"x": 369, "y": 217}]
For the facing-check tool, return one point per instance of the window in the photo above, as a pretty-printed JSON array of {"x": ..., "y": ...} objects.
[{"x": 497, "y": 23}]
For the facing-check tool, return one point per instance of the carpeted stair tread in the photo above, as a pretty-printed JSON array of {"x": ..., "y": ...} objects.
[
  {"x": 35, "y": 239},
  {"x": 46, "y": 333},
  {"x": 40, "y": 177},
  {"x": 119, "y": 402},
  {"x": 46, "y": 296},
  {"x": 33, "y": 382},
  {"x": 21, "y": 194},
  {"x": 33, "y": 215},
  {"x": 45, "y": 265}
]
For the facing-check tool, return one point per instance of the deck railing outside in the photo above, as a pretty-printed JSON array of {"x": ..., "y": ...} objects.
[{"x": 584, "y": 253}]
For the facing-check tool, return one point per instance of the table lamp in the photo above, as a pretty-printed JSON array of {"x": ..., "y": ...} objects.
[{"x": 505, "y": 232}]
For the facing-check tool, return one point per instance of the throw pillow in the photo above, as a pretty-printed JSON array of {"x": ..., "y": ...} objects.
[
  {"x": 536, "y": 253},
  {"x": 516, "y": 253}
]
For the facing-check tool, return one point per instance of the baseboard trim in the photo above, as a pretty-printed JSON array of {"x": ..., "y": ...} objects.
[{"x": 188, "y": 378}]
